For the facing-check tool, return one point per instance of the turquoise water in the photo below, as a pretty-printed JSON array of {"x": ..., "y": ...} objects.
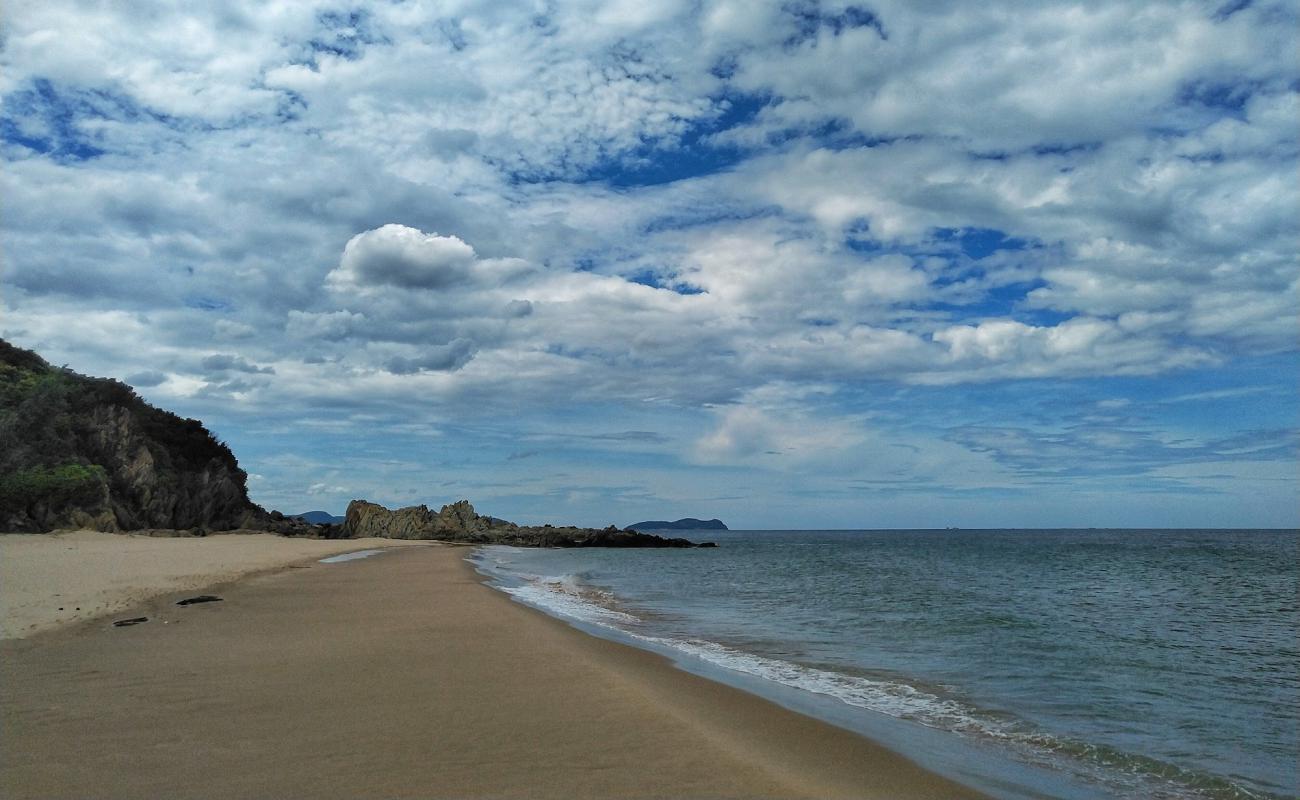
[{"x": 1034, "y": 663}]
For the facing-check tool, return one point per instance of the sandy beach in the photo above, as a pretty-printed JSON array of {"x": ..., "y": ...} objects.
[
  {"x": 399, "y": 675},
  {"x": 50, "y": 580}
]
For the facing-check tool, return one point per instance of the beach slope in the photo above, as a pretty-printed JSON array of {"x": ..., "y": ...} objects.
[{"x": 398, "y": 675}]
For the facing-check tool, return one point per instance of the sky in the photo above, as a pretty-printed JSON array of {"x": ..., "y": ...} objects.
[{"x": 792, "y": 265}]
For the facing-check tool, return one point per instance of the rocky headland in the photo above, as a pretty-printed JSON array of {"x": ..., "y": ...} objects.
[
  {"x": 81, "y": 452},
  {"x": 458, "y": 522},
  {"x": 78, "y": 452}
]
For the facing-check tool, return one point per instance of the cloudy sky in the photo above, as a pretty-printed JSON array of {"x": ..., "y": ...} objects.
[{"x": 794, "y": 264}]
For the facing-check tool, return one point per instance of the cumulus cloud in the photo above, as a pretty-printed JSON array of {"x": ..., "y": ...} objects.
[
  {"x": 325, "y": 489},
  {"x": 227, "y": 362},
  {"x": 1048, "y": 73},
  {"x": 1094, "y": 449},
  {"x": 774, "y": 426},
  {"x": 146, "y": 379},
  {"x": 401, "y": 257},
  {"x": 746, "y": 434},
  {"x": 229, "y": 329},
  {"x": 1080, "y": 346},
  {"x": 669, "y": 206},
  {"x": 439, "y": 358},
  {"x": 330, "y": 325},
  {"x": 396, "y": 255}
]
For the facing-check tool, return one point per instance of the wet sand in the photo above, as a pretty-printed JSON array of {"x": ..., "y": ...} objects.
[{"x": 398, "y": 675}]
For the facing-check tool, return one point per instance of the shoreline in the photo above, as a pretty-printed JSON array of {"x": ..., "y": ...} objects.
[
  {"x": 932, "y": 749},
  {"x": 657, "y": 660},
  {"x": 402, "y": 673}
]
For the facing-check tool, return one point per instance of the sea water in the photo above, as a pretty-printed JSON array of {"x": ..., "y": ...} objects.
[{"x": 1059, "y": 663}]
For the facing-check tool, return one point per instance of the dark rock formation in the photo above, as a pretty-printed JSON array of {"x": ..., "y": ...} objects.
[
  {"x": 685, "y": 524},
  {"x": 458, "y": 522},
  {"x": 79, "y": 452}
]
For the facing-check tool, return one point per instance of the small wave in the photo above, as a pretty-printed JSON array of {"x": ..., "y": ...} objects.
[
  {"x": 1126, "y": 773},
  {"x": 570, "y": 596},
  {"x": 1122, "y": 773},
  {"x": 887, "y": 697}
]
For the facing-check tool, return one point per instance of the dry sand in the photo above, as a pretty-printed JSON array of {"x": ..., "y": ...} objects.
[
  {"x": 53, "y": 579},
  {"x": 398, "y": 675}
]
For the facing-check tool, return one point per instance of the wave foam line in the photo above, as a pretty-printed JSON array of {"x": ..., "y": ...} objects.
[{"x": 1127, "y": 773}]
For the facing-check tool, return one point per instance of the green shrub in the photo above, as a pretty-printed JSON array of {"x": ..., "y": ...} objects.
[
  {"x": 54, "y": 421},
  {"x": 66, "y": 484}
]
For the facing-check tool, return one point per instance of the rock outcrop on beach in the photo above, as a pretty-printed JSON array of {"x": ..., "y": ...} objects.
[
  {"x": 458, "y": 522},
  {"x": 684, "y": 524},
  {"x": 81, "y": 452}
]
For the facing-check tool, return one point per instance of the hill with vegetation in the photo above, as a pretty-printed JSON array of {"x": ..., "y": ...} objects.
[
  {"x": 318, "y": 517},
  {"x": 82, "y": 452},
  {"x": 684, "y": 524}
]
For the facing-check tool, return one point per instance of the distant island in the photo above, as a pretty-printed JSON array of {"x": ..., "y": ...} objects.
[
  {"x": 684, "y": 524},
  {"x": 318, "y": 517},
  {"x": 89, "y": 453}
]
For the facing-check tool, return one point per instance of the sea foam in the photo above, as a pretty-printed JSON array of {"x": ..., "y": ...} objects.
[
  {"x": 570, "y": 596},
  {"x": 353, "y": 556}
]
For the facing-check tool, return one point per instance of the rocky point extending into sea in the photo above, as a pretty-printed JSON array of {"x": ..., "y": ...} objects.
[
  {"x": 82, "y": 452},
  {"x": 458, "y": 522}
]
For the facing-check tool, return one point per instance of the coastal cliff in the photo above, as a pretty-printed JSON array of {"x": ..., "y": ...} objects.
[
  {"x": 81, "y": 452},
  {"x": 458, "y": 522}
]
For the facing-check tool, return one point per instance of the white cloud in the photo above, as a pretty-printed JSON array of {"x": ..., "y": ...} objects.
[
  {"x": 396, "y": 255},
  {"x": 1080, "y": 346},
  {"x": 1008, "y": 77},
  {"x": 437, "y": 358},
  {"x": 399, "y": 210},
  {"x": 325, "y": 489},
  {"x": 780, "y": 438},
  {"x": 399, "y": 257},
  {"x": 323, "y": 324}
]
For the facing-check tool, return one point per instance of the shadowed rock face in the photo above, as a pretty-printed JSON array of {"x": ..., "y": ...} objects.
[
  {"x": 458, "y": 522},
  {"x": 455, "y": 521},
  {"x": 80, "y": 452}
]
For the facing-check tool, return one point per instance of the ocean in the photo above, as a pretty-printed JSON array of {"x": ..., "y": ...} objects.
[{"x": 1027, "y": 663}]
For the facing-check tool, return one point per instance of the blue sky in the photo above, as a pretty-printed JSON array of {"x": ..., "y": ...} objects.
[{"x": 789, "y": 264}]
